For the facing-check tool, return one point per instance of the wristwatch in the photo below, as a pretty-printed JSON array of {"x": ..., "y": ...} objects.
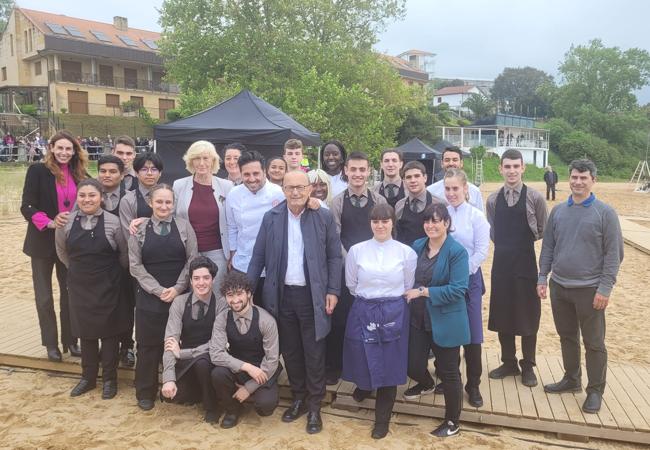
[{"x": 421, "y": 290}]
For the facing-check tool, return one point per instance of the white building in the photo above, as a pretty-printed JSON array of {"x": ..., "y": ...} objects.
[{"x": 455, "y": 96}]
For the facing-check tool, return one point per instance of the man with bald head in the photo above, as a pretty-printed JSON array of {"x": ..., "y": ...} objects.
[{"x": 300, "y": 250}]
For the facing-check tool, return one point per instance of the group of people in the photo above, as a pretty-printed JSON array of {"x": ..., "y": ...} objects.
[{"x": 222, "y": 275}]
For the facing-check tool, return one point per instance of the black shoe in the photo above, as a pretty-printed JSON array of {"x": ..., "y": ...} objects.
[
  {"x": 528, "y": 377},
  {"x": 127, "y": 357},
  {"x": 146, "y": 404},
  {"x": 211, "y": 416},
  {"x": 415, "y": 392},
  {"x": 504, "y": 370},
  {"x": 564, "y": 385},
  {"x": 475, "y": 397},
  {"x": 297, "y": 409},
  {"x": 109, "y": 389},
  {"x": 439, "y": 389},
  {"x": 54, "y": 354},
  {"x": 74, "y": 350},
  {"x": 314, "y": 422},
  {"x": 332, "y": 378},
  {"x": 446, "y": 429},
  {"x": 230, "y": 419},
  {"x": 379, "y": 431},
  {"x": 592, "y": 403},
  {"x": 360, "y": 395},
  {"x": 82, "y": 387}
]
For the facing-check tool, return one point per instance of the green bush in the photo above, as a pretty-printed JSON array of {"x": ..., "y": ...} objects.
[
  {"x": 173, "y": 115},
  {"x": 29, "y": 109}
]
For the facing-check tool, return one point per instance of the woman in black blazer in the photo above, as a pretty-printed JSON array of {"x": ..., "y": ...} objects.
[{"x": 48, "y": 197}]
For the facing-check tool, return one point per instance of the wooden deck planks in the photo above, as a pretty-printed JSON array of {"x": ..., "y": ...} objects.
[{"x": 497, "y": 395}]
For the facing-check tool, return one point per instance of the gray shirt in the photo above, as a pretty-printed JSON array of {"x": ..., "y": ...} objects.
[
  {"x": 269, "y": 330},
  {"x": 536, "y": 211},
  {"x": 112, "y": 231},
  {"x": 129, "y": 207},
  {"x": 337, "y": 203},
  {"x": 137, "y": 269},
  {"x": 111, "y": 199},
  {"x": 175, "y": 327},
  {"x": 582, "y": 246},
  {"x": 422, "y": 199}
]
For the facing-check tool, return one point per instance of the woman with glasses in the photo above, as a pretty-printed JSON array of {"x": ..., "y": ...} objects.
[
  {"x": 135, "y": 203},
  {"x": 375, "y": 350},
  {"x": 159, "y": 255},
  {"x": 48, "y": 197},
  {"x": 441, "y": 279}
]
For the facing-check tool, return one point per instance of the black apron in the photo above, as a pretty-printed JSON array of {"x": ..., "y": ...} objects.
[
  {"x": 393, "y": 201},
  {"x": 355, "y": 222},
  {"x": 411, "y": 225},
  {"x": 195, "y": 332},
  {"x": 515, "y": 307},
  {"x": 116, "y": 211},
  {"x": 248, "y": 347},
  {"x": 96, "y": 307},
  {"x": 143, "y": 208},
  {"x": 133, "y": 182}
]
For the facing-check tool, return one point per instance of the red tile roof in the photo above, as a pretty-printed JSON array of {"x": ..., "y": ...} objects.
[
  {"x": 401, "y": 64},
  {"x": 39, "y": 19},
  {"x": 416, "y": 52},
  {"x": 451, "y": 90}
]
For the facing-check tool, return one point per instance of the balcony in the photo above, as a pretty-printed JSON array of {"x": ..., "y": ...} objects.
[{"x": 111, "y": 82}]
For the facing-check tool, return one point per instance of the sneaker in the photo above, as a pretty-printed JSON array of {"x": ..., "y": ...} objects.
[
  {"x": 446, "y": 429},
  {"x": 414, "y": 392}
]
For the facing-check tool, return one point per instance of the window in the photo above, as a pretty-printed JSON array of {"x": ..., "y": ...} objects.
[
  {"x": 26, "y": 42},
  {"x": 138, "y": 100},
  {"x": 150, "y": 43},
  {"x": 101, "y": 36},
  {"x": 31, "y": 39},
  {"x": 74, "y": 31},
  {"x": 127, "y": 40},
  {"x": 439, "y": 99},
  {"x": 4, "y": 74},
  {"x": 38, "y": 69},
  {"x": 56, "y": 28},
  {"x": 113, "y": 100},
  {"x": 11, "y": 43}
]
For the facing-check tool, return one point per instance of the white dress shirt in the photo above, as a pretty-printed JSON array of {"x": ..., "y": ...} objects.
[
  {"x": 475, "y": 199},
  {"x": 376, "y": 269},
  {"x": 472, "y": 230},
  {"x": 295, "y": 275},
  {"x": 338, "y": 185},
  {"x": 244, "y": 213}
]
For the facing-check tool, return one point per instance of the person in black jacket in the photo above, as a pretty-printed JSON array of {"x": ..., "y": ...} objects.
[
  {"x": 550, "y": 177},
  {"x": 48, "y": 197}
]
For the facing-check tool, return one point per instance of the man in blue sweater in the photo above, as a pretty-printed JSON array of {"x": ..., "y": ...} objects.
[{"x": 583, "y": 248}]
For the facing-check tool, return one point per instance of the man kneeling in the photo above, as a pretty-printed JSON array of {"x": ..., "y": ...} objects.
[
  {"x": 245, "y": 350},
  {"x": 186, "y": 361}
]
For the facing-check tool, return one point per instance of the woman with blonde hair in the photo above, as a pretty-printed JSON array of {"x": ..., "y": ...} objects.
[
  {"x": 321, "y": 186},
  {"x": 49, "y": 195},
  {"x": 200, "y": 199}
]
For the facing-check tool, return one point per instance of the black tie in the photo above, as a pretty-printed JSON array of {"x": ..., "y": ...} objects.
[
  {"x": 164, "y": 228},
  {"x": 201, "y": 313},
  {"x": 391, "y": 191},
  {"x": 356, "y": 201},
  {"x": 414, "y": 205}
]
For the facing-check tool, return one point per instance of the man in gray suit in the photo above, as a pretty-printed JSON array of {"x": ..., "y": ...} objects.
[{"x": 301, "y": 252}]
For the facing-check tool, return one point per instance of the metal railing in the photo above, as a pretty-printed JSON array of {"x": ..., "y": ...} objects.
[{"x": 114, "y": 82}]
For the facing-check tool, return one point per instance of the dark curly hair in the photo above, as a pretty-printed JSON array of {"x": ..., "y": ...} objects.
[{"x": 235, "y": 281}]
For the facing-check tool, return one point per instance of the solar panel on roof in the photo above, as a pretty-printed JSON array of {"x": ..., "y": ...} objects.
[
  {"x": 101, "y": 36},
  {"x": 127, "y": 40},
  {"x": 56, "y": 28},
  {"x": 73, "y": 31},
  {"x": 150, "y": 43}
]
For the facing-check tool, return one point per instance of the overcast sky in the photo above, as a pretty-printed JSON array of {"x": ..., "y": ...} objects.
[{"x": 471, "y": 38}]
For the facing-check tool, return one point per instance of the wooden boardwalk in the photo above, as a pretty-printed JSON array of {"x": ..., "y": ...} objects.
[
  {"x": 625, "y": 414},
  {"x": 636, "y": 235}
]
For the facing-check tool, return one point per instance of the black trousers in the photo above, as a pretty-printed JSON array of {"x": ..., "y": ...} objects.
[
  {"x": 91, "y": 357},
  {"x": 550, "y": 188},
  {"x": 447, "y": 368},
  {"x": 150, "y": 333},
  {"x": 126, "y": 340},
  {"x": 303, "y": 355},
  {"x": 384, "y": 402},
  {"x": 573, "y": 314},
  {"x": 224, "y": 381},
  {"x": 420, "y": 343},
  {"x": 196, "y": 386},
  {"x": 473, "y": 365},
  {"x": 509, "y": 352},
  {"x": 42, "y": 278},
  {"x": 336, "y": 336}
]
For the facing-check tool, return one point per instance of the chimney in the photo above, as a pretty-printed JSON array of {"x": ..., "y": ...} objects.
[{"x": 121, "y": 23}]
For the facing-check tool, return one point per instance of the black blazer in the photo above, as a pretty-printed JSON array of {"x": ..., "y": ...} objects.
[{"x": 39, "y": 194}]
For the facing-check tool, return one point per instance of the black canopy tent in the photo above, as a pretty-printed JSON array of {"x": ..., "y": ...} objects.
[
  {"x": 244, "y": 118},
  {"x": 416, "y": 150}
]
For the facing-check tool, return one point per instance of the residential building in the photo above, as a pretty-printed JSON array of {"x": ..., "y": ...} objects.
[
  {"x": 59, "y": 63},
  {"x": 484, "y": 85},
  {"x": 409, "y": 74},
  {"x": 500, "y": 133},
  {"x": 455, "y": 96},
  {"x": 420, "y": 60}
]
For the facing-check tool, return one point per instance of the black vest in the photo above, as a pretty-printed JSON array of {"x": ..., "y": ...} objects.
[
  {"x": 400, "y": 194},
  {"x": 143, "y": 208},
  {"x": 410, "y": 226},
  {"x": 116, "y": 211},
  {"x": 247, "y": 347},
  {"x": 355, "y": 222},
  {"x": 197, "y": 332},
  {"x": 133, "y": 182}
]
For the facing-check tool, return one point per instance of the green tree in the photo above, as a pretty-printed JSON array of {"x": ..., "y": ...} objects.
[
  {"x": 421, "y": 123},
  {"x": 479, "y": 105},
  {"x": 6, "y": 7},
  {"x": 517, "y": 88}
]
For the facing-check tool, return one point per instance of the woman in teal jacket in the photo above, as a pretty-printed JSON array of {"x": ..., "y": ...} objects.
[{"x": 441, "y": 280}]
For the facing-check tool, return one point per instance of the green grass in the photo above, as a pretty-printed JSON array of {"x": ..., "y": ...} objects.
[{"x": 101, "y": 126}]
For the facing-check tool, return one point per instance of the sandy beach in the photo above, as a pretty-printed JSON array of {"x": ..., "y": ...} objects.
[{"x": 37, "y": 412}]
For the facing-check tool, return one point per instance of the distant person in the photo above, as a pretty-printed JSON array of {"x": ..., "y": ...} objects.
[
  {"x": 582, "y": 250},
  {"x": 550, "y": 178},
  {"x": 276, "y": 167},
  {"x": 48, "y": 197},
  {"x": 333, "y": 157},
  {"x": 294, "y": 155},
  {"x": 452, "y": 158},
  {"x": 392, "y": 186},
  {"x": 125, "y": 150}
]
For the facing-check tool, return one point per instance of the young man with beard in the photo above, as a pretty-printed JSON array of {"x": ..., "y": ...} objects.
[
  {"x": 245, "y": 350},
  {"x": 392, "y": 186}
]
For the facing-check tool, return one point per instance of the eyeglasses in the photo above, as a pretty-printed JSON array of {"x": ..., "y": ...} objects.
[
  {"x": 148, "y": 170},
  {"x": 299, "y": 188}
]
